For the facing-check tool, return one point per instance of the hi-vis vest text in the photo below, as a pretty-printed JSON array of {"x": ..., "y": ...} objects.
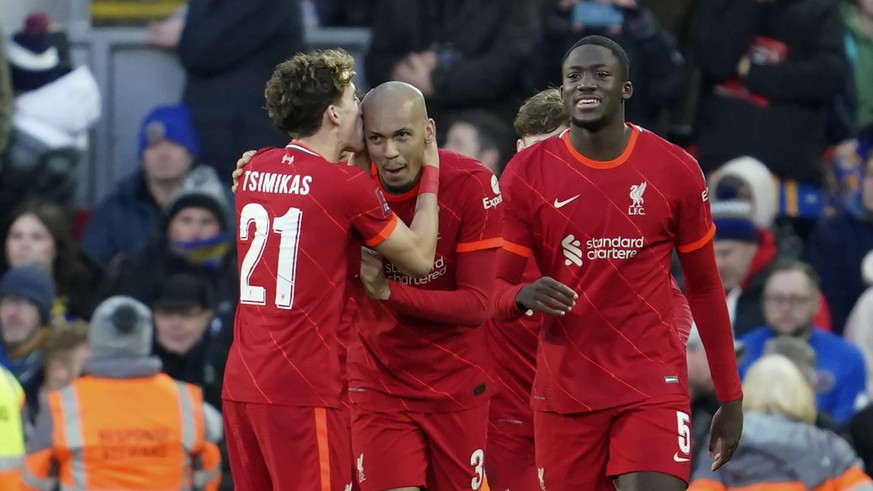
[
  {"x": 131, "y": 434},
  {"x": 11, "y": 431}
]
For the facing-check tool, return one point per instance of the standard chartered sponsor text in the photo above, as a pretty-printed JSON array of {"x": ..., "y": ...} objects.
[{"x": 614, "y": 247}]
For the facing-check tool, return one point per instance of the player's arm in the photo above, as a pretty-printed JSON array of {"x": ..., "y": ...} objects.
[
  {"x": 709, "y": 309},
  {"x": 412, "y": 248},
  {"x": 511, "y": 298},
  {"x": 466, "y": 305}
]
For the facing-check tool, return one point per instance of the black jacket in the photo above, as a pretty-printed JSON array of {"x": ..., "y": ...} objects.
[
  {"x": 229, "y": 49},
  {"x": 484, "y": 46},
  {"x": 788, "y": 134}
]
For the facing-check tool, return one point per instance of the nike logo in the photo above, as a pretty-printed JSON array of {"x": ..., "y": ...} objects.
[
  {"x": 677, "y": 458},
  {"x": 559, "y": 204}
]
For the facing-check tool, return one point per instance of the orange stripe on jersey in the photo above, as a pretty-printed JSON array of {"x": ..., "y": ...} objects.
[
  {"x": 517, "y": 249},
  {"x": 480, "y": 245},
  {"x": 384, "y": 233},
  {"x": 323, "y": 449},
  {"x": 603, "y": 164},
  {"x": 697, "y": 244}
]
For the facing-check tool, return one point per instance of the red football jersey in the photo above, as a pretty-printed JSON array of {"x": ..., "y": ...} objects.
[
  {"x": 513, "y": 347},
  {"x": 401, "y": 361},
  {"x": 298, "y": 217},
  {"x": 607, "y": 230}
]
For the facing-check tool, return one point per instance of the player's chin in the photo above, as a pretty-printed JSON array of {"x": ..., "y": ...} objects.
[{"x": 589, "y": 121}]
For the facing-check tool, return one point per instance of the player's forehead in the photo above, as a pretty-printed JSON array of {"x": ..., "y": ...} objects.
[
  {"x": 388, "y": 116},
  {"x": 589, "y": 56}
]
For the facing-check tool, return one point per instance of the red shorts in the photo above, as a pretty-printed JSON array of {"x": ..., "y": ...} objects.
[
  {"x": 587, "y": 450},
  {"x": 287, "y": 447},
  {"x": 510, "y": 462},
  {"x": 439, "y": 451}
]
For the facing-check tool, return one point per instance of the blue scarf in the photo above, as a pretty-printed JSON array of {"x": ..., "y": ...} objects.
[{"x": 208, "y": 253}]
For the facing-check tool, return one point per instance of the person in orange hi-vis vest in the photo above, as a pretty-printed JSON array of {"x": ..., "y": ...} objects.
[{"x": 124, "y": 424}]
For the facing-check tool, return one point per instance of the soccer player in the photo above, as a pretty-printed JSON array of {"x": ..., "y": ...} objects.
[
  {"x": 417, "y": 377},
  {"x": 601, "y": 209},
  {"x": 510, "y": 462},
  {"x": 299, "y": 215}
]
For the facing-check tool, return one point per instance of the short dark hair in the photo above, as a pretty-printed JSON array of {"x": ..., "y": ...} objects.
[
  {"x": 607, "y": 43},
  {"x": 491, "y": 132},
  {"x": 787, "y": 265},
  {"x": 544, "y": 112},
  {"x": 304, "y": 86}
]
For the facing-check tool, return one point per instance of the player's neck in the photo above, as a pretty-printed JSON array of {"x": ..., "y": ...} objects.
[
  {"x": 325, "y": 145},
  {"x": 606, "y": 143}
]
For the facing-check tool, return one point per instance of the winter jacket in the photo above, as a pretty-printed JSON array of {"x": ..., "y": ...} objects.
[{"x": 777, "y": 114}]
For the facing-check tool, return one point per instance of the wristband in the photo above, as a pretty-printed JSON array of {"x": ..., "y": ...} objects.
[{"x": 430, "y": 180}]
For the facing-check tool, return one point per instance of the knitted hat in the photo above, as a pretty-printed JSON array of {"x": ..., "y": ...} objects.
[
  {"x": 733, "y": 221},
  {"x": 33, "y": 60},
  {"x": 184, "y": 290},
  {"x": 171, "y": 123},
  {"x": 201, "y": 189},
  {"x": 32, "y": 283},
  {"x": 121, "y": 326}
]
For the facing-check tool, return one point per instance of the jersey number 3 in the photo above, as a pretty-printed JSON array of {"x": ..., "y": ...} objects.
[{"x": 287, "y": 227}]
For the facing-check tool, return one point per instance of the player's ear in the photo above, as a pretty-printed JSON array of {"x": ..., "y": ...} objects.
[
  {"x": 627, "y": 90},
  {"x": 429, "y": 131},
  {"x": 519, "y": 145},
  {"x": 333, "y": 114}
]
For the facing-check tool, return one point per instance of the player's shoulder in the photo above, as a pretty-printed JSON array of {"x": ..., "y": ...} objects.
[
  {"x": 664, "y": 151},
  {"x": 532, "y": 158},
  {"x": 455, "y": 167}
]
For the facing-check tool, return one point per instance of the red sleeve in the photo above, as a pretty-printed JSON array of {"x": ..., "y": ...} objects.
[
  {"x": 517, "y": 244},
  {"x": 466, "y": 305},
  {"x": 510, "y": 267},
  {"x": 367, "y": 208},
  {"x": 706, "y": 299}
]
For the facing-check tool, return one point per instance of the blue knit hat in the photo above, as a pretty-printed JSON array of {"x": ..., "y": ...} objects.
[
  {"x": 34, "y": 61},
  {"x": 171, "y": 123},
  {"x": 733, "y": 221},
  {"x": 31, "y": 283}
]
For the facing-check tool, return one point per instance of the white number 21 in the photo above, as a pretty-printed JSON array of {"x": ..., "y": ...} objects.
[{"x": 288, "y": 228}]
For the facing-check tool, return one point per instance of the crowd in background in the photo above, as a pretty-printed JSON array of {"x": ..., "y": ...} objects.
[{"x": 773, "y": 97}]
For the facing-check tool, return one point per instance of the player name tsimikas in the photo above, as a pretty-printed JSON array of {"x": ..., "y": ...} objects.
[{"x": 269, "y": 182}]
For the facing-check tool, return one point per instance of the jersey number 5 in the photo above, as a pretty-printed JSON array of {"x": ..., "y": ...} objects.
[{"x": 287, "y": 227}]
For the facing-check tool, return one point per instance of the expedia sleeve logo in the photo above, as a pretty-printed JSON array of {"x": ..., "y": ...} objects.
[{"x": 497, "y": 199}]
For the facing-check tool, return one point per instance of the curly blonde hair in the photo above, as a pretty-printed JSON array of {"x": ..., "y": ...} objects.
[
  {"x": 304, "y": 86},
  {"x": 543, "y": 113}
]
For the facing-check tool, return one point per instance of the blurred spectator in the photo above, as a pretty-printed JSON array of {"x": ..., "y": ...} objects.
[
  {"x": 26, "y": 296},
  {"x": 64, "y": 353},
  {"x": 845, "y": 170},
  {"x": 799, "y": 352},
  {"x": 481, "y": 136},
  {"x": 681, "y": 18},
  {"x": 860, "y": 431},
  {"x": 858, "y": 15},
  {"x": 229, "y": 49},
  {"x": 195, "y": 239},
  {"x": 542, "y": 116},
  {"x": 53, "y": 109},
  {"x": 790, "y": 302},
  {"x": 38, "y": 232},
  {"x": 704, "y": 403},
  {"x": 837, "y": 248},
  {"x": 770, "y": 71},
  {"x": 656, "y": 65},
  {"x": 745, "y": 254},
  {"x": 190, "y": 348},
  {"x": 135, "y": 427},
  {"x": 781, "y": 449},
  {"x": 130, "y": 217},
  {"x": 859, "y": 327},
  {"x": 5, "y": 103},
  {"x": 461, "y": 54},
  {"x": 11, "y": 431}
]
